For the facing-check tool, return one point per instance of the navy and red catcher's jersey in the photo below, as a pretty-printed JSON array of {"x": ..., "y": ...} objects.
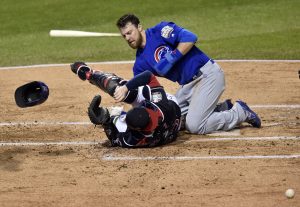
[{"x": 169, "y": 120}]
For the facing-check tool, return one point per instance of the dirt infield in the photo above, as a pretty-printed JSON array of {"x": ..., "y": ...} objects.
[{"x": 50, "y": 155}]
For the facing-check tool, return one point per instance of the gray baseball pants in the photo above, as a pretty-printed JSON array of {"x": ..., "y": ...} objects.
[{"x": 199, "y": 98}]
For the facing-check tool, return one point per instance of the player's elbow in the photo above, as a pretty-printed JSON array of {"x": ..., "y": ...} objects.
[{"x": 187, "y": 36}]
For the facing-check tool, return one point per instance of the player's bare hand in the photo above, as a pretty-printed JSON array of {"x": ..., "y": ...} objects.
[{"x": 120, "y": 93}]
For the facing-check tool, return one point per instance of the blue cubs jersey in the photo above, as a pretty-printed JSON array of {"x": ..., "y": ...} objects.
[{"x": 164, "y": 38}]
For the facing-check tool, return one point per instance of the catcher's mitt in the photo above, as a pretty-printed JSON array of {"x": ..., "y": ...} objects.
[{"x": 98, "y": 115}]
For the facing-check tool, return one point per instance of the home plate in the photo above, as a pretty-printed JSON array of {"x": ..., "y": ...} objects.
[{"x": 234, "y": 132}]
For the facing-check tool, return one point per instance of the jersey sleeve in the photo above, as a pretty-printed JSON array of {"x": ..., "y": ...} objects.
[
  {"x": 174, "y": 34},
  {"x": 144, "y": 78},
  {"x": 169, "y": 32}
]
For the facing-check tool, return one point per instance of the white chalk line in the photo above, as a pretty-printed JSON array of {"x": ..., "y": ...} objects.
[
  {"x": 293, "y": 106},
  {"x": 175, "y": 158},
  {"x": 26, "y": 123},
  {"x": 234, "y": 132},
  {"x": 129, "y": 62},
  {"x": 62, "y": 143},
  {"x": 74, "y": 143},
  {"x": 244, "y": 139},
  {"x": 183, "y": 158},
  {"x": 64, "y": 65}
]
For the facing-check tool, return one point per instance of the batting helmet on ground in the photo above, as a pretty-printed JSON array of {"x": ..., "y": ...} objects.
[{"x": 31, "y": 94}]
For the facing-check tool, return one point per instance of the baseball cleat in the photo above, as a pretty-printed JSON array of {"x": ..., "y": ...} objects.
[{"x": 252, "y": 117}]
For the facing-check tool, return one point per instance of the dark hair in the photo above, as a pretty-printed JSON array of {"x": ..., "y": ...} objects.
[{"x": 126, "y": 19}]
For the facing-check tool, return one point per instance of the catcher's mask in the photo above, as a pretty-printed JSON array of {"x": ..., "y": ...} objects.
[
  {"x": 143, "y": 119},
  {"x": 31, "y": 94}
]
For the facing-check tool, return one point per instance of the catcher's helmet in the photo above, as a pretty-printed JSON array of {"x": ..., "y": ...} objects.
[
  {"x": 143, "y": 119},
  {"x": 31, "y": 94}
]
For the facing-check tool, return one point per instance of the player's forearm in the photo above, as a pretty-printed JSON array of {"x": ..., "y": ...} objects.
[
  {"x": 186, "y": 39},
  {"x": 184, "y": 47}
]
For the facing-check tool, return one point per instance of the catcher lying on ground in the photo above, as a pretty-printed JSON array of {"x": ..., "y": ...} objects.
[{"x": 154, "y": 119}]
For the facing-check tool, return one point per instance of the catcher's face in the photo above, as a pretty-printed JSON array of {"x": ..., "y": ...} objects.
[{"x": 132, "y": 35}]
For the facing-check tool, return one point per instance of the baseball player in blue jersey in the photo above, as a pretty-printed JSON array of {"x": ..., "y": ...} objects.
[{"x": 169, "y": 51}]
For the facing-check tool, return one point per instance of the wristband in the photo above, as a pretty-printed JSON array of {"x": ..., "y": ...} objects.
[
  {"x": 166, "y": 63},
  {"x": 174, "y": 56}
]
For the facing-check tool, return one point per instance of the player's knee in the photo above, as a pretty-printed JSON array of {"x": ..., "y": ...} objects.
[{"x": 194, "y": 127}]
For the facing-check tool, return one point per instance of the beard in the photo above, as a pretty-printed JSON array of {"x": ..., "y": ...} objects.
[{"x": 137, "y": 43}]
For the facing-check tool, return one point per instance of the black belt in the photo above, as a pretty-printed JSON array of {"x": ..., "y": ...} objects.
[{"x": 199, "y": 72}]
